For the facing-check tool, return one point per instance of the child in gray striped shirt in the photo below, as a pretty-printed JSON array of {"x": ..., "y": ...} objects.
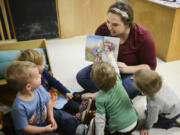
[{"x": 163, "y": 106}]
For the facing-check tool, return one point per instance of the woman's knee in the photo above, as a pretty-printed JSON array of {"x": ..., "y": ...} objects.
[{"x": 83, "y": 74}]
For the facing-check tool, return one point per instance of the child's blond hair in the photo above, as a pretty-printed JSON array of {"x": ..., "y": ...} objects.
[
  {"x": 103, "y": 75},
  {"x": 31, "y": 55},
  {"x": 19, "y": 73},
  {"x": 147, "y": 81}
]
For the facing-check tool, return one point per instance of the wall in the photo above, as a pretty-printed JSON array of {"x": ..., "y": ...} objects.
[
  {"x": 81, "y": 17},
  {"x": 163, "y": 24}
]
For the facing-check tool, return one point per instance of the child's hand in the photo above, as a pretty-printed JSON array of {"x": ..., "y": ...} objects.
[
  {"x": 49, "y": 128},
  {"x": 122, "y": 67},
  {"x": 109, "y": 53},
  {"x": 53, "y": 123},
  {"x": 85, "y": 96},
  {"x": 98, "y": 58},
  {"x": 69, "y": 96},
  {"x": 144, "y": 132}
]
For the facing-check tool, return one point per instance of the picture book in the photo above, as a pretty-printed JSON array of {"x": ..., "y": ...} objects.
[
  {"x": 58, "y": 99},
  {"x": 97, "y": 46}
]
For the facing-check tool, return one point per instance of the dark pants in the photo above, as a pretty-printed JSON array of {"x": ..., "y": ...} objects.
[
  {"x": 50, "y": 133},
  {"x": 66, "y": 122},
  {"x": 165, "y": 123},
  {"x": 71, "y": 107},
  {"x": 83, "y": 78},
  {"x": 119, "y": 133}
]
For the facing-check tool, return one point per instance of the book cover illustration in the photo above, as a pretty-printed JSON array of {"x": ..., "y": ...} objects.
[
  {"x": 58, "y": 99},
  {"x": 99, "y": 45}
]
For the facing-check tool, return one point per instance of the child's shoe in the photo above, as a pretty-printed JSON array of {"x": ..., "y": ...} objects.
[
  {"x": 86, "y": 104},
  {"x": 77, "y": 96},
  {"x": 85, "y": 116},
  {"x": 83, "y": 129},
  {"x": 91, "y": 128},
  {"x": 178, "y": 122},
  {"x": 81, "y": 115}
]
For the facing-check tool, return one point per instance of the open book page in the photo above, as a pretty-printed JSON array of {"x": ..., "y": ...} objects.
[
  {"x": 97, "y": 46},
  {"x": 58, "y": 99},
  {"x": 111, "y": 60}
]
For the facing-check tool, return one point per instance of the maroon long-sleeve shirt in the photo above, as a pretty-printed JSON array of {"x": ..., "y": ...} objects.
[{"x": 138, "y": 49}]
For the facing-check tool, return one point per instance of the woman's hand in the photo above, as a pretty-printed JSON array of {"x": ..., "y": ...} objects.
[
  {"x": 122, "y": 67},
  {"x": 131, "y": 69},
  {"x": 69, "y": 96}
]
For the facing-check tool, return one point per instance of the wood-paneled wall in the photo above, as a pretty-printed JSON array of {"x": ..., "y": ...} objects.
[
  {"x": 81, "y": 17},
  {"x": 163, "y": 24}
]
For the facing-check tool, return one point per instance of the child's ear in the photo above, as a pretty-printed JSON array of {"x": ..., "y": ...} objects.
[
  {"x": 28, "y": 86},
  {"x": 143, "y": 94}
]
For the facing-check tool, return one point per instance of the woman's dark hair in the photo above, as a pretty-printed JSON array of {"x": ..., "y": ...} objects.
[{"x": 124, "y": 10}]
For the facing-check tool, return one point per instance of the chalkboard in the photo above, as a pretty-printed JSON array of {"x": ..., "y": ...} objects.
[{"x": 34, "y": 19}]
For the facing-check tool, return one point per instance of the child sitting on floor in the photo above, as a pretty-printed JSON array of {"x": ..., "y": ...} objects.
[
  {"x": 49, "y": 82},
  {"x": 32, "y": 110},
  {"x": 163, "y": 106},
  {"x": 112, "y": 102}
]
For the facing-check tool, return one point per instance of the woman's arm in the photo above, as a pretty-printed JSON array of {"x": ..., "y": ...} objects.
[
  {"x": 152, "y": 116},
  {"x": 55, "y": 83},
  {"x": 146, "y": 55},
  {"x": 147, "y": 52},
  {"x": 131, "y": 69}
]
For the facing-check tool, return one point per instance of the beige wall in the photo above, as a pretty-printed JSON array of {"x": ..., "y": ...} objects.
[{"x": 81, "y": 17}]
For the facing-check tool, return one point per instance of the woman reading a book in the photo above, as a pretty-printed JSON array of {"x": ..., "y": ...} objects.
[{"x": 136, "y": 50}]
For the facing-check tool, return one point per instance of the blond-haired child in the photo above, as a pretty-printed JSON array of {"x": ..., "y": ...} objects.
[
  {"x": 32, "y": 110},
  {"x": 112, "y": 101},
  {"x": 32, "y": 106},
  {"x": 163, "y": 106},
  {"x": 49, "y": 82}
]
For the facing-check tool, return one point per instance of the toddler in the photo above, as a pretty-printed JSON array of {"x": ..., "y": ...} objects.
[
  {"x": 32, "y": 110},
  {"x": 113, "y": 105},
  {"x": 163, "y": 106}
]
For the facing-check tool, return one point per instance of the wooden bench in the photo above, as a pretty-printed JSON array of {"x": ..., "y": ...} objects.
[{"x": 31, "y": 44}]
